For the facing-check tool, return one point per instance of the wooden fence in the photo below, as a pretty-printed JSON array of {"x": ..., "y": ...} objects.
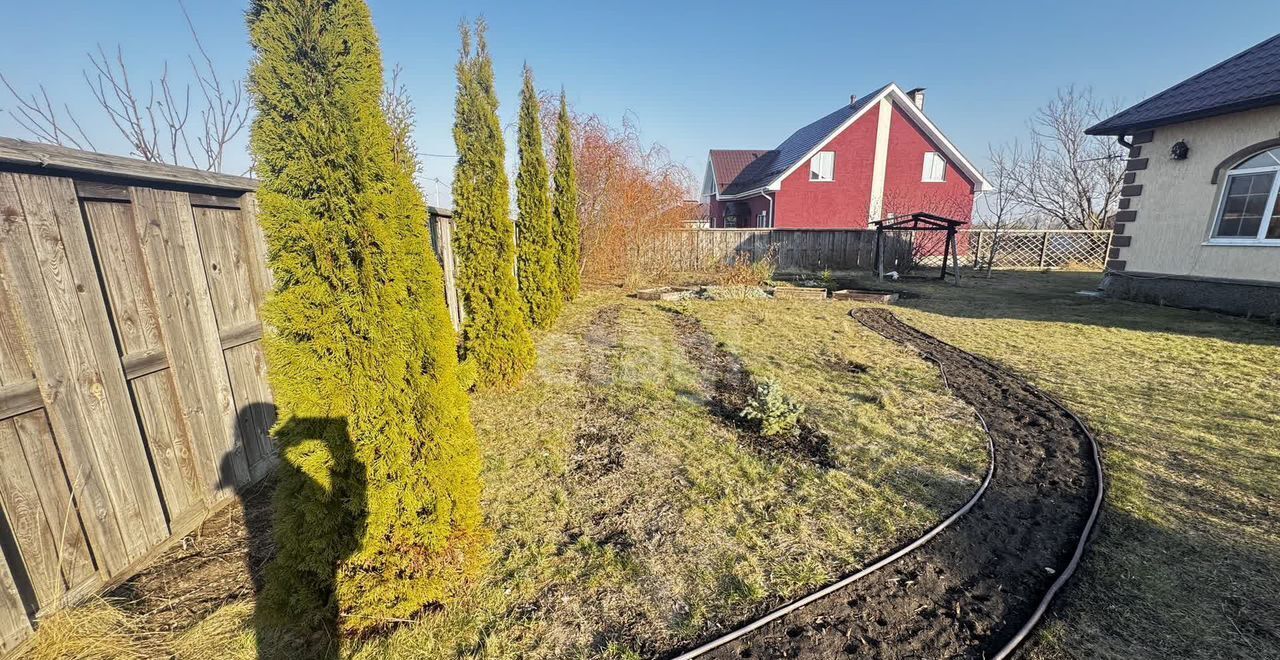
[
  {"x": 814, "y": 250},
  {"x": 442, "y": 226},
  {"x": 796, "y": 250},
  {"x": 133, "y": 391},
  {"x": 132, "y": 381}
]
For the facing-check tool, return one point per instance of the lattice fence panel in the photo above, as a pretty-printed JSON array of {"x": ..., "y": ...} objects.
[{"x": 1039, "y": 248}]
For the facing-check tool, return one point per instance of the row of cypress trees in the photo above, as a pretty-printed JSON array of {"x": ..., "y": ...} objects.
[
  {"x": 512, "y": 277},
  {"x": 377, "y": 505}
]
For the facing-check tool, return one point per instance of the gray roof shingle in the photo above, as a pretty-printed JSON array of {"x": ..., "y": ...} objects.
[
  {"x": 763, "y": 170},
  {"x": 1248, "y": 80}
]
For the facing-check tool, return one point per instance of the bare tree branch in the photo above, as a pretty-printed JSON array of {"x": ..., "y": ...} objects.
[
  {"x": 158, "y": 126},
  {"x": 1069, "y": 177},
  {"x": 398, "y": 108},
  {"x": 38, "y": 117}
]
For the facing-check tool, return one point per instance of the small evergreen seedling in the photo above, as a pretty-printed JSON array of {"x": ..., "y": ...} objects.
[{"x": 772, "y": 411}]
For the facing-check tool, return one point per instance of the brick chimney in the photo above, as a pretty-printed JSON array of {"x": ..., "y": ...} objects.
[{"x": 917, "y": 97}]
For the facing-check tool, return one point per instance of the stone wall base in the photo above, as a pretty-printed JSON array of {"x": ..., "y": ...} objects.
[{"x": 1240, "y": 298}]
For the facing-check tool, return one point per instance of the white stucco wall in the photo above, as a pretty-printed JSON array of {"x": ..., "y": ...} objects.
[{"x": 1178, "y": 202}]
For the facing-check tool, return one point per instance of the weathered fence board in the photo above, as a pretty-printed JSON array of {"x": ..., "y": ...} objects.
[
  {"x": 14, "y": 624},
  {"x": 441, "y": 225},
  {"x": 71, "y": 376},
  {"x": 794, "y": 250},
  {"x": 166, "y": 229}
]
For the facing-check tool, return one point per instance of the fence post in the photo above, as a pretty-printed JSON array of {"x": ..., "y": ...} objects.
[{"x": 1044, "y": 248}]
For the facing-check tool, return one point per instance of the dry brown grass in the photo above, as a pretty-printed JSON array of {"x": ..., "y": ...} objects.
[
  {"x": 744, "y": 271},
  {"x": 94, "y": 631}
]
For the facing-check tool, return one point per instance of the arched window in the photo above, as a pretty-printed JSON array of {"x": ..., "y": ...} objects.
[{"x": 1248, "y": 211}]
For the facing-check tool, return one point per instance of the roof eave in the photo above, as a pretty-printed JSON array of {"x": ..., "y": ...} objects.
[
  {"x": 1102, "y": 128},
  {"x": 748, "y": 193}
]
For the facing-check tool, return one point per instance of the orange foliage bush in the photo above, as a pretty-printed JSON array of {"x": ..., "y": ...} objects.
[{"x": 629, "y": 192}]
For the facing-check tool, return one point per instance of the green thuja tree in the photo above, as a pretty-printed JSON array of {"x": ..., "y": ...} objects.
[
  {"x": 535, "y": 243},
  {"x": 564, "y": 223},
  {"x": 378, "y": 497},
  {"x": 495, "y": 340}
]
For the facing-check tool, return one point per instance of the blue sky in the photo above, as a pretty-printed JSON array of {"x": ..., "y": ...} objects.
[{"x": 697, "y": 75}]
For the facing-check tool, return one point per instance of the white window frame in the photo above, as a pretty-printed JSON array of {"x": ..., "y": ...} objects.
[
  {"x": 1220, "y": 209},
  {"x": 816, "y": 163},
  {"x": 762, "y": 220},
  {"x": 926, "y": 171}
]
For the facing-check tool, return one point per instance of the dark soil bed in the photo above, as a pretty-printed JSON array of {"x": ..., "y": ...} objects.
[
  {"x": 729, "y": 385},
  {"x": 968, "y": 591}
]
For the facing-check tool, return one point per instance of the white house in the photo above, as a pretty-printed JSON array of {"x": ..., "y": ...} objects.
[{"x": 1199, "y": 221}]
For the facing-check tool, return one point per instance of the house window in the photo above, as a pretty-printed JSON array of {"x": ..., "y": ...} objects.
[
  {"x": 823, "y": 166},
  {"x": 1248, "y": 210},
  {"x": 935, "y": 168}
]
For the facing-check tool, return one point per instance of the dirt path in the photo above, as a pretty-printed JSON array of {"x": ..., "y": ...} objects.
[{"x": 968, "y": 590}]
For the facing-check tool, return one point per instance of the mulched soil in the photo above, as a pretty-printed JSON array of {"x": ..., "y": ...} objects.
[
  {"x": 601, "y": 439},
  {"x": 729, "y": 386},
  {"x": 219, "y": 563},
  {"x": 966, "y": 592}
]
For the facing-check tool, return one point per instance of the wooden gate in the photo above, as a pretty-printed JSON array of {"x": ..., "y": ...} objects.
[{"x": 129, "y": 347}]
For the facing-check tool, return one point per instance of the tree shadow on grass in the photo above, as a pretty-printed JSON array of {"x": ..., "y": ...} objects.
[
  {"x": 1161, "y": 590},
  {"x": 1053, "y": 298},
  {"x": 319, "y": 517}
]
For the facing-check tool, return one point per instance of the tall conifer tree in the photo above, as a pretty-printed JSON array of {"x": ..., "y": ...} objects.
[
  {"x": 535, "y": 243},
  {"x": 495, "y": 340},
  {"x": 378, "y": 498},
  {"x": 565, "y": 224}
]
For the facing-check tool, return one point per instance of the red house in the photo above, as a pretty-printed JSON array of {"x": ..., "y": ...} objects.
[{"x": 873, "y": 158}]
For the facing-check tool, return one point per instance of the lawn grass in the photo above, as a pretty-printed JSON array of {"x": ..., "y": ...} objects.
[
  {"x": 1186, "y": 563},
  {"x": 629, "y": 520},
  {"x": 679, "y": 530}
]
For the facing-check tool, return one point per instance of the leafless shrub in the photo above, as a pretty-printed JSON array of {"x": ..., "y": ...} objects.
[
  {"x": 744, "y": 271},
  {"x": 999, "y": 205}
]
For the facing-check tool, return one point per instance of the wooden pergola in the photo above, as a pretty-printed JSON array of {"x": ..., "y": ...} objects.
[{"x": 921, "y": 221}]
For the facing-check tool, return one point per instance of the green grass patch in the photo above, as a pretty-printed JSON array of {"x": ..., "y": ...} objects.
[{"x": 1187, "y": 407}]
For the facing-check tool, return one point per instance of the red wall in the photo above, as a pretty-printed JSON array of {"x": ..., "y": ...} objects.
[
  {"x": 904, "y": 192},
  {"x": 838, "y": 204},
  {"x": 844, "y": 202}
]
